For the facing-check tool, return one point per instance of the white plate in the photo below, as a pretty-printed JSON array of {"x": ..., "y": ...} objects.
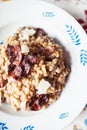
[{"x": 62, "y": 26}]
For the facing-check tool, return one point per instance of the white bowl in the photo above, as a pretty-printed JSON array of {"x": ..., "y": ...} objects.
[{"x": 63, "y": 27}]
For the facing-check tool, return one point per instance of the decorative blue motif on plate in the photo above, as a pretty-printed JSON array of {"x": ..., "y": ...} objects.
[
  {"x": 1, "y": 42},
  {"x": 3, "y": 126},
  {"x": 83, "y": 57},
  {"x": 48, "y": 14},
  {"x": 85, "y": 122},
  {"x": 63, "y": 115},
  {"x": 73, "y": 34},
  {"x": 29, "y": 127}
]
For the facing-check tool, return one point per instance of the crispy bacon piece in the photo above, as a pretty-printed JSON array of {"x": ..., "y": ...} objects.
[
  {"x": 38, "y": 101},
  {"x": 27, "y": 62},
  {"x": 20, "y": 64},
  {"x": 14, "y": 54},
  {"x": 32, "y": 59},
  {"x": 39, "y": 32},
  {"x": 18, "y": 72}
]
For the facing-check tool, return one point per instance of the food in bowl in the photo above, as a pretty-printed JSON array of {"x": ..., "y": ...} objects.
[{"x": 33, "y": 72}]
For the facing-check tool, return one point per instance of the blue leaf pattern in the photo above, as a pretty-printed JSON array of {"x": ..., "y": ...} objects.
[
  {"x": 3, "y": 126},
  {"x": 83, "y": 57},
  {"x": 1, "y": 42},
  {"x": 85, "y": 122},
  {"x": 29, "y": 127},
  {"x": 48, "y": 14},
  {"x": 73, "y": 34},
  {"x": 63, "y": 115}
]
